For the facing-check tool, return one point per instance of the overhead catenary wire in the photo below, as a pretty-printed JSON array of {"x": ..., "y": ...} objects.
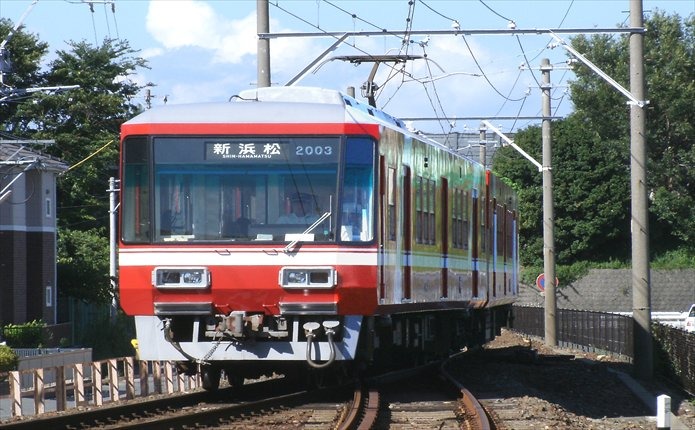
[
  {"x": 385, "y": 32},
  {"x": 406, "y": 72},
  {"x": 76, "y": 165}
]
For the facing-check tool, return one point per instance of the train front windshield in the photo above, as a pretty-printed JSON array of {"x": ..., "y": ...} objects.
[{"x": 272, "y": 189}]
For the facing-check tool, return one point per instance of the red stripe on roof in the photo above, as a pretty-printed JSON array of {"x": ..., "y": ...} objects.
[{"x": 249, "y": 129}]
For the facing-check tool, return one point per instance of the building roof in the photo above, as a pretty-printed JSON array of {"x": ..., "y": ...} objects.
[
  {"x": 608, "y": 290},
  {"x": 15, "y": 153}
]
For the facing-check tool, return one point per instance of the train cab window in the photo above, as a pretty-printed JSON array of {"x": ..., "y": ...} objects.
[
  {"x": 216, "y": 189},
  {"x": 248, "y": 189},
  {"x": 135, "y": 186}
]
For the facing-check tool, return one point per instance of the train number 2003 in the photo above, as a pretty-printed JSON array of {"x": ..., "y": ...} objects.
[{"x": 304, "y": 150}]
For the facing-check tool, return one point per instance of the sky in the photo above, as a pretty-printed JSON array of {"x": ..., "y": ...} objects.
[{"x": 201, "y": 51}]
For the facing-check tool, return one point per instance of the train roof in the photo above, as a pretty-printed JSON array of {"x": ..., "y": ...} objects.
[
  {"x": 279, "y": 104},
  {"x": 271, "y": 105}
]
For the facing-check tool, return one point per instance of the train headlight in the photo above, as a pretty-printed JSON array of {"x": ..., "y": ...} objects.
[
  {"x": 181, "y": 277},
  {"x": 297, "y": 276},
  {"x": 308, "y": 277}
]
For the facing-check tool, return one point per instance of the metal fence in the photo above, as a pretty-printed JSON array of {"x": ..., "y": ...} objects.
[
  {"x": 674, "y": 351},
  {"x": 585, "y": 330},
  {"x": 674, "y": 348}
]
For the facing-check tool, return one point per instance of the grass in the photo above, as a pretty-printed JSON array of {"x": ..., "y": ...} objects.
[{"x": 670, "y": 260}]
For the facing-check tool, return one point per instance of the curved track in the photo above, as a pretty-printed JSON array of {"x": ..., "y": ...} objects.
[{"x": 426, "y": 397}]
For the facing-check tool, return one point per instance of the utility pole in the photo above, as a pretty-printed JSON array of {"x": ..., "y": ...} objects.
[
  {"x": 641, "y": 290},
  {"x": 263, "y": 53},
  {"x": 113, "y": 210},
  {"x": 548, "y": 215}
]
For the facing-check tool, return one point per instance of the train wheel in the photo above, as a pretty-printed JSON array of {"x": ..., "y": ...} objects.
[
  {"x": 234, "y": 380},
  {"x": 211, "y": 377}
]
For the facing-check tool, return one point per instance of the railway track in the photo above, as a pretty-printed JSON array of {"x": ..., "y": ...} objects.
[{"x": 418, "y": 398}]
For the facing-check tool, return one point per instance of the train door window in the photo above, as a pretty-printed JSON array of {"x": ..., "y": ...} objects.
[
  {"x": 483, "y": 222},
  {"x": 475, "y": 239},
  {"x": 465, "y": 225},
  {"x": 509, "y": 232},
  {"x": 430, "y": 211},
  {"x": 501, "y": 219},
  {"x": 357, "y": 201},
  {"x": 419, "y": 211},
  {"x": 460, "y": 219},
  {"x": 444, "y": 211},
  {"x": 135, "y": 194},
  {"x": 391, "y": 202},
  {"x": 407, "y": 231}
]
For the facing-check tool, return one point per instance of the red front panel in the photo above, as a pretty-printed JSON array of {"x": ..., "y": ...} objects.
[{"x": 254, "y": 286}]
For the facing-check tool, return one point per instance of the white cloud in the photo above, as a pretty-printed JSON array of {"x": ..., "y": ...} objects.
[{"x": 187, "y": 23}]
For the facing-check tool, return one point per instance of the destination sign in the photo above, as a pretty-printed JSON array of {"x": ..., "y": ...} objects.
[{"x": 305, "y": 150}]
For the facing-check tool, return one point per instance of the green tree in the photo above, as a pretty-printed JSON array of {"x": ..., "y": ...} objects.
[
  {"x": 20, "y": 66},
  {"x": 85, "y": 122},
  {"x": 83, "y": 265},
  {"x": 8, "y": 360},
  {"x": 591, "y": 193},
  {"x": 85, "y": 125},
  {"x": 669, "y": 57},
  {"x": 591, "y": 152}
]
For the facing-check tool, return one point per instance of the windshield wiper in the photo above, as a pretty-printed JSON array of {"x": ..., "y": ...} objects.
[{"x": 311, "y": 228}]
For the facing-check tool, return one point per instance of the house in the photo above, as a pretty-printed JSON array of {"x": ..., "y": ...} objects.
[{"x": 27, "y": 233}]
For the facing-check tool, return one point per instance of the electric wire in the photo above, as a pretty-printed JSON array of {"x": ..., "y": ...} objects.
[
  {"x": 358, "y": 18},
  {"x": 115, "y": 21},
  {"x": 293, "y": 15},
  {"x": 495, "y": 12},
  {"x": 518, "y": 76},
  {"x": 526, "y": 59},
  {"x": 106, "y": 19},
  {"x": 523, "y": 52},
  {"x": 94, "y": 26},
  {"x": 436, "y": 95},
  {"x": 277, "y": 5},
  {"x": 437, "y": 12},
  {"x": 485, "y": 75},
  {"x": 405, "y": 43},
  {"x": 79, "y": 163}
]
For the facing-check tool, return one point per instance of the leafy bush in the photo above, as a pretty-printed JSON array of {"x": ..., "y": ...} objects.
[
  {"x": 27, "y": 335},
  {"x": 8, "y": 359},
  {"x": 681, "y": 258},
  {"x": 110, "y": 339}
]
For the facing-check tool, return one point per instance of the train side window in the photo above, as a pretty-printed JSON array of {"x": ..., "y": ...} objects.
[
  {"x": 391, "y": 200},
  {"x": 357, "y": 202}
]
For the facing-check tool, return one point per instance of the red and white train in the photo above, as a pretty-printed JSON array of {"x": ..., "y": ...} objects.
[{"x": 294, "y": 226}]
